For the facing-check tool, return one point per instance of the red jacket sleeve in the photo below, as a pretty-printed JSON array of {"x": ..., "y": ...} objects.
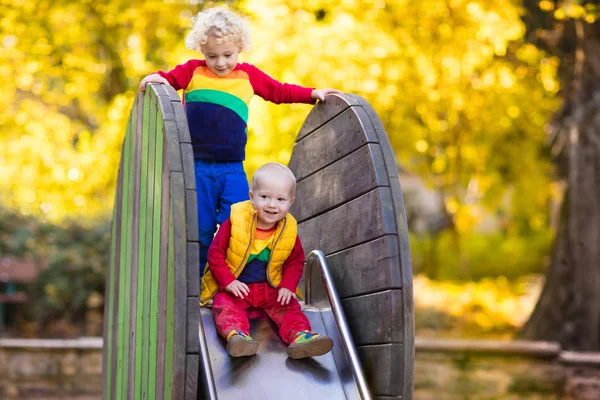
[
  {"x": 180, "y": 76},
  {"x": 275, "y": 91},
  {"x": 217, "y": 253},
  {"x": 293, "y": 267}
]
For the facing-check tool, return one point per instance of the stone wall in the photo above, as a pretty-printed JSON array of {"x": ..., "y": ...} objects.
[
  {"x": 51, "y": 369},
  {"x": 473, "y": 370},
  {"x": 444, "y": 370}
]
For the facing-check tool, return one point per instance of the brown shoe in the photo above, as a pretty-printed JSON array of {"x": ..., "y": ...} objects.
[
  {"x": 309, "y": 344},
  {"x": 241, "y": 345}
]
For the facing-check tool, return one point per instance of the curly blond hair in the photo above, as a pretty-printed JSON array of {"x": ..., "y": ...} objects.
[{"x": 220, "y": 23}]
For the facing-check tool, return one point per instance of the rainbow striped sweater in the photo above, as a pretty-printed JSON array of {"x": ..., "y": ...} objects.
[{"x": 217, "y": 107}]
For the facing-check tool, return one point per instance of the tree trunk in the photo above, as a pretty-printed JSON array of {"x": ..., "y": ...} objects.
[{"x": 569, "y": 308}]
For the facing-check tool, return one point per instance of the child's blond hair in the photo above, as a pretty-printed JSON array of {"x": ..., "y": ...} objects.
[
  {"x": 221, "y": 23},
  {"x": 274, "y": 170}
]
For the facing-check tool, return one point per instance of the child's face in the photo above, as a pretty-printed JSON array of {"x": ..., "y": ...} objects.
[
  {"x": 221, "y": 58},
  {"x": 272, "y": 199}
]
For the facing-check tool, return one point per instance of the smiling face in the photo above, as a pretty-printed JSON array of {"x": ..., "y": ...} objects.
[
  {"x": 272, "y": 198},
  {"x": 221, "y": 58}
]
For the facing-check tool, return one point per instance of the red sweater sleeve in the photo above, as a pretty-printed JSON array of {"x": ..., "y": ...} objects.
[
  {"x": 180, "y": 76},
  {"x": 275, "y": 91},
  {"x": 217, "y": 253},
  {"x": 293, "y": 267}
]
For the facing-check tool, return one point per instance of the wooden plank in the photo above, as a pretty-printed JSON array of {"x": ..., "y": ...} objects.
[
  {"x": 405, "y": 264},
  {"x": 346, "y": 179},
  {"x": 173, "y": 149},
  {"x": 339, "y": 137},
  {"x": 138, "y": 134},
  {"x": 193, "y": 269},
  {"x": 122, "y": 270},
  {"x": 187, "y": 161},
  {"x": 193, "y": 313},
  {"x": 180, "y": 246},
  {"x": 527, "y": 348},
  {"x": 375, "y": 120},
  {"x": 191, "y": 380},
  {"x": 153, "y": 140},
  {"x": 182, "y": 126},
  {"x": 367, "y": 268},
  {"x": 170, "y": 307},
  {"x": 165, "y": 108},
  {"x": 324, "y": 112},
  {"x": 126, "y": 298},
  {"x": 333, "y": 231},
  {"x": 173, "y": 95},
  {"x": 405, "y": 261},
  {"x": 163, "y": 276},
  {"x": 141, "y": 272},
  {"x": 156, "y": 249},
  {"x": 191, "y": 216},
  {"x": 365, "y": 317},
  {"x": 382, "y": 365}
]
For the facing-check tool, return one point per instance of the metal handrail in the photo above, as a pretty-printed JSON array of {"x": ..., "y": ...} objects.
[{"x": 316, "y": 257}]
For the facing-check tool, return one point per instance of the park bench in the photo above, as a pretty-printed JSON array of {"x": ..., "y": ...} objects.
[{"x": 13, "y": 274}]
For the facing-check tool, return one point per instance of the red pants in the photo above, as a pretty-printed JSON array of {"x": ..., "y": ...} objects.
[{"x": 230, "y": 311}]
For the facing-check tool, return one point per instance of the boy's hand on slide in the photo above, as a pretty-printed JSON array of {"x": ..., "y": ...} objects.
[
  {"x": 284, "y": 296},
  {"x": 152, "y": 78},
  {"x": 319, "y": 94},
  {"x": 238, "y": 289}
]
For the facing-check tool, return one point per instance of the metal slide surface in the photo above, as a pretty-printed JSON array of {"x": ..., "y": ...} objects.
[{"x": 270, "y": 374}]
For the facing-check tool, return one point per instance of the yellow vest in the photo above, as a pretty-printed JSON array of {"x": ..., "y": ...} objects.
[{"x": 243, "y": 225}]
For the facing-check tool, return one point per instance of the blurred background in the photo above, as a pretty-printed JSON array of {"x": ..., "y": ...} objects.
[{"x": 488, "y": 105}]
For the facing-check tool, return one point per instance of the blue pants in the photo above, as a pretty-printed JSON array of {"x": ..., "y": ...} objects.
[{"x": 218, "y": 186}]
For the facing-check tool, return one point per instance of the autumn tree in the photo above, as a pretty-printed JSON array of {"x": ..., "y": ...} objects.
[
  {"x": 462, "y": 95},
  {"x": 69, "y": 73},
  {"x": 568, "y": 310}
]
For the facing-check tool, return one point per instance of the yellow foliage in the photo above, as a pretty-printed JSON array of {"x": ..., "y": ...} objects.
[
  {"x": 436, "y": 73},
  {"x": 487, "y": 305}
]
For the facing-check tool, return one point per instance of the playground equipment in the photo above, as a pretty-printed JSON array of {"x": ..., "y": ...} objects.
[{"x": 159, "y": 344}]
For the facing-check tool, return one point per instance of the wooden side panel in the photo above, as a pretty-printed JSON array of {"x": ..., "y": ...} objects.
[
  {"x": 366, "y": 268},
  {"x": 377, "y": 330},
  {"x": 383, "y": 366},
  {"x": 145, "y": 280},
  {"x": 180, "y": 282},
  {"x": 349, "y": 205},
  {"x": 346, "y": 179},
  {"x": 146, "y": 318},
  {"x": 324, "y": 112},
  {"x": 405, "y": 260},
  {"x": 163, "y": 276},
  {"x": 339, "y": 137},
  {"x": 334, "y": 231}
]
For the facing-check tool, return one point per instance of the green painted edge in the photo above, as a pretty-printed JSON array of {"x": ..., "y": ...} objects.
[
  {"x": 141, "y": 253},
  {"x": 170, "y": 318},
  {"x": 109, "y": 303},
  {"x": 127, "y": 283},
  {"x": 223, "y": 99},
  {"x": 158, "y": 163},
  {"x": 148, "y": 294},
  {"x": 122, "y": 261}
]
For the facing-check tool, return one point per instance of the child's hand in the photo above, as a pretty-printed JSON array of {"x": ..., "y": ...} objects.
[
  {"x": 238, "y": 289},
  {"x": 152, "y": 78},
  {"x": 284, "y": 296},
  {"x": 319, "y": 94}
]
